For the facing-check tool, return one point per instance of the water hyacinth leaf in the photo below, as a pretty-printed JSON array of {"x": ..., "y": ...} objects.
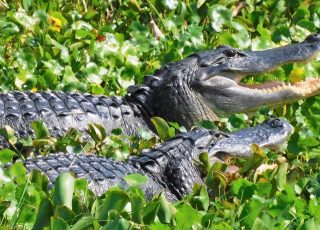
[
  {"x": 63, "y": 190},
  {"x": 136, "y": 179},
  {"x": 119, "y": 223},
  {"x": 8, "y": 29},
  {"x": 216, "y": 179},
  {"x": 242, "y": 188},
  {"x": 282, "y": 176},
  {"x": 24, "y": 20},
  {"x": 137, "y": 206},
  {"x": 66, "y": 214},
  {"x": 97, "y": 132},
  {"x": 200, "y": 3},
  {"x": 250, "y": 212},
  {"x": 83, "y": 223},
  {"x": 204, "y": 159},
  {"x": 314, "y": 208},
  {"x": 40, "y": 129},
  {"x": 58, "y": 224},
  {"x": 200, "y": 200},
  {"x": 159, "y": 226},
  {"x": 18, "y": 172},
  {"x": 163, "y": 129},
  {"x": 311, "y": 224},
  {"x": 187, "y": 216},
  {"x": 164, "y": 213},
  {"x": 150, "y": 212},
  {"x": 259, "y": 224},
  {"x": 6, "y": 155},
  {"x": 26, "y": 4},
  {"x": 220, "y": 16},
  {"x": 116, "y": 199},
  {"x": 44, "y": 214},
  {"x": 170, "y": 4},
  {"x": 255, "y": 160}
]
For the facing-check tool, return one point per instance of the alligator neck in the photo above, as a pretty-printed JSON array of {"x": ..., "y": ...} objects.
[
  {"x": 178, "y": 103},
  {"x": 175, "y": 102},
  {"x": 172, "y": 165}
]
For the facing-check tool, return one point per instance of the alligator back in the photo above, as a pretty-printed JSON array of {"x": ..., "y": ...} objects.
[
  {"x": 101, "y": 173},
  {"x": 62, "y": 111}
]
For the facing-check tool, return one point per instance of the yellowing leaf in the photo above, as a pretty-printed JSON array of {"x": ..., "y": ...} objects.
[
  {"x": 55, "y": 23},
  {"x": 296, "y": 75}
]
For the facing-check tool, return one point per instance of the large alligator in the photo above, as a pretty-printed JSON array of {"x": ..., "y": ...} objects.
[
  {"x": 196, "y": 88},
  {"x": 171, "y": 167}
]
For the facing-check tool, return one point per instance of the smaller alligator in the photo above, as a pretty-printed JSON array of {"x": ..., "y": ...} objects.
[{"x": 170, "y": 167}]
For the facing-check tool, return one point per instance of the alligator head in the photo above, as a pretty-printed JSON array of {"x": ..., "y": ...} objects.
[
  {"x": 270, "y": 133},
  {"x": 208, "y": 83}
]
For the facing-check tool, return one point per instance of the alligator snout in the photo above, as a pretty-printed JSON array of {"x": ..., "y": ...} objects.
[{"x": 272, "y": 132}]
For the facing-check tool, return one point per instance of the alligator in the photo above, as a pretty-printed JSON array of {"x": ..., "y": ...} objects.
[
  {"x": 171, "y": 167},
  {"x": 200, "y": 87}
]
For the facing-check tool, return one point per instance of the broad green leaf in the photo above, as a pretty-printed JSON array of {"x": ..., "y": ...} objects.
[
  {"x": 65, "y": 214},
  {"x": 137, "y": 203},
  {"x": 259, "y": 224},
  {"x": 6, "y": 155},
  {"x": 170, "y": 4},
  {"x": 44, "y": 214},
  {"x": 18, "y": 172},
  {"x": 250, "y": 212},
  {"x": 83, "y": 223},
  {"x": 116, "y": 199},
  {"x": 242, "y": 188},
  {"x": 282, "y": 176},
  {"x": 311, "y": 224},
  {"x": 8, "y": 29},
  {"x": 187, "y": 216},
  {"x": 216, "y": 180},
  {"x": 40, "y": 129},
  {"x": 63, "y": 190},
  {"x": 136, "y": 179},
  {"x": 200, "y": 200},
  {"x": 97, "y": 132},
  {"x": 26, "y": 4},
  {"x": 58, "y": 224},
  {"x": 164, "y": 213},
  {"x": 117, "y": 224},
  {"x": 220, "y": 16},
  {"x": 314, "y": 208},
  {"x": 255, "y": 160},
  {"x": 200, "y": 3},
  {"x": 204, "y": 159},
  {"x": 8, "y": 134},
  {"x": 159, "y": 226},
  {"x": 162, "y": 127},
  {"x": 150, "y": 212}
]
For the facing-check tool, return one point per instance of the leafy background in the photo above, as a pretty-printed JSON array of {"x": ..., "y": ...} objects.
[{"x": 101, "y": 47}]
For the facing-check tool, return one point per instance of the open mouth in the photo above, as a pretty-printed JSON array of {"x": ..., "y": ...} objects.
[{"x": 309, "y": 87}]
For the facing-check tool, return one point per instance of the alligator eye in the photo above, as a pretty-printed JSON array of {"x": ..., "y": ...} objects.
[
  {"x": 230, "y": 52},
  {"x": 274, "y": 123}
]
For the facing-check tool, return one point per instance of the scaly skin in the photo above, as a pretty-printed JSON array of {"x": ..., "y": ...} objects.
[
  {"x": 170, "y": 167},
  {"x": 187, "y": 91}
]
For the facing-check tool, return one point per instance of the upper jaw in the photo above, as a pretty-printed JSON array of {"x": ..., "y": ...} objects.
[{"x": 235, "y": 64}]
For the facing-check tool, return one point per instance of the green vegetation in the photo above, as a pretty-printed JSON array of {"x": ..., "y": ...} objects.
[{"x": 101, "y": 47}]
